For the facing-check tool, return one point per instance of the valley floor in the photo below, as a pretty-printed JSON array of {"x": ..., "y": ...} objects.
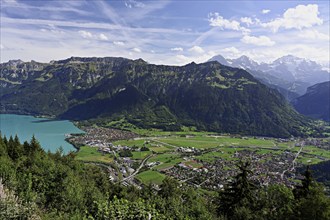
[{"x": 201, "y": 159}]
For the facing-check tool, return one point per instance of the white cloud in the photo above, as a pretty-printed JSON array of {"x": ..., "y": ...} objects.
[
  {"x": 137, "y": 50},
  {"x": 89, "y": 35},
  {"x": 134, "y": 4},
  {"x": 103, "y": 37},
  {"x": 232, "y": 50},
  {"x": 314, "y": 34},
  {"x": 2, "y": 47},
  {"x": 118, "y": 43},
  {"x": 177, "y": 49},
  {"x": 218, "y": 21},
  {"x": 265, "y": 11},
  {"x": 259, "y": 41},
  {"x": 247, "y": 20},
  {"x": 196, "y": 49},
  {"x": 182, "y": 59},
  {"x": 302, "y": 16},
  {"x": 85, "y": 34}
]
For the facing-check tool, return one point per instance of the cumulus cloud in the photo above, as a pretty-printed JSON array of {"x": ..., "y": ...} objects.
[
  {"x": 103, "y": 37},
  {"x": 232, "y": 50},
  {"x": 177, "y": 49},
  {"x": 314, "y": 34},
  {"x": 182, "y": 58},
  {"x": 85, "y": 34},
  {"x": 137, "y": 50},
  {"x": 302, "y": 16},
  {"x": 196, "y": 49},
  {"x": 216, "y": 20},
  {"x": 247, "y": 20},
  {"x": 118, "y": 43},
  {"x": 265, "y": 11},
  {"x": 259, "y": 41},
  {"x": 89, "y": 35}
]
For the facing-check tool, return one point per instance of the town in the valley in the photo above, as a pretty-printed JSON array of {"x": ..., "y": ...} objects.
[{"x": 141, "y": 160}]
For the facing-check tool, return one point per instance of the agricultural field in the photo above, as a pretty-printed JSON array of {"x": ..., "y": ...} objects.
[
  {"x": 140, "y": 155},
  {"x": 194, "y": 149},
  {"x": 91, "y": 154},
  {"x": 167, "y": 160},
  {"x": 151, "y": 176},
  {"x": 206, "y": 142},
  {"x": 137, "y": 143},
  {"x": 160, "y": 149},
  {"x": 193, "y": 164},
  {"x": 316, "y": 151}
]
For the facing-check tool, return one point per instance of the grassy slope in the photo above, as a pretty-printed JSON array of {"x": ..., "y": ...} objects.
[{"x": 90, "y": 154}]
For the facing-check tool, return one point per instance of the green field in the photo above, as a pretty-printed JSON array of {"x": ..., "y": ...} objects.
[
  {"x": 316, "y": 151},
  {"x": 203, "y": 141},
  {"x": 164, "y": 157},
  {"x": 167, "y": 160},
  {"x": 140, "y": 155},
  {"x": 224, "y": 147},
  {"x": 207, "y": 142},
  {"x": 150, "y": 176},
  {"x": 160, "y": 149},
  {"x": 308, "y": 160},
  {"x": 223, "y": 152},
  {"x": 193, "y": 164},
  {"x": 138, "y": 143},
  {"x": 90, "y": 154}
]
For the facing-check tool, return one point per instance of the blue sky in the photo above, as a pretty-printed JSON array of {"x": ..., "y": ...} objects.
[{"x": 164, "y": 32}]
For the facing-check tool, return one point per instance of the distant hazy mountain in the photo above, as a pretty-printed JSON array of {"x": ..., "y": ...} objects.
[
  {"x": 316, "y": 102},
  {"x": 209, "y": 96},
  {"x": 290, "y": 75}
]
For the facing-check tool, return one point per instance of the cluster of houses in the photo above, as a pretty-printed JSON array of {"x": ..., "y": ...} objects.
[
  {"x": 267, "y": 168},
  {"x": 100, "y": 137},
  {"x": 188, "y": 150}
]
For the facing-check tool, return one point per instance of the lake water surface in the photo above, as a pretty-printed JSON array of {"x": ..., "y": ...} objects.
[{"x": 50, "y": 133}]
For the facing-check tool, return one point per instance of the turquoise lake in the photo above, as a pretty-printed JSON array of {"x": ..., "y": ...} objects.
[{"x": 50, "y": 133}]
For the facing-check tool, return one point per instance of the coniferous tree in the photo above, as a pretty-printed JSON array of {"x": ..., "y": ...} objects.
[
  {"x": 239, "y": 193},
  {"x": 311, "y": 201}
]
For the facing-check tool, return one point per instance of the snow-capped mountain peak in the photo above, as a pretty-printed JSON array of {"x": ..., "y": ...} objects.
[{"x": 287, "y": 69}]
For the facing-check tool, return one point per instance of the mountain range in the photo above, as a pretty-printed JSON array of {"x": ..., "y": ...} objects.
[
  {"x": 207, "y": 96},
  {"x": 316, "y": 102},
  {"x": 290, "y": 75}
]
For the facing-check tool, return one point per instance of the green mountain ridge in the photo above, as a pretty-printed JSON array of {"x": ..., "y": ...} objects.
[
  {"x": 209, "y": 96},
  {"x": 315, "y": 102}
]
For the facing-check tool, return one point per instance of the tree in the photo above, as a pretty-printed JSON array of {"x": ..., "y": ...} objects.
[
  {"x": 35, "y": 145},
  {"x": 276, "y": 202},
  {"x": 125, "y": 153},
  {"x": 238, "y": 194},
  {"x": 302, "y": 190},
  {"x": 14, "y": 148},
  {"x": 3, "y": 147},
  {"x": 125, "y": 209},
  {"x": 311, "y": 201},
  {"x": 169, "y": 188}
]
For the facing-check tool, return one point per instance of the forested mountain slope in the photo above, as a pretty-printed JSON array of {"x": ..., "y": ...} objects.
[{"x": 209, "y": 96}]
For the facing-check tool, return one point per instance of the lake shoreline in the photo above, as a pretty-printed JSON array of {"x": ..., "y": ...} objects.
[{"x": 50, "y": 131}]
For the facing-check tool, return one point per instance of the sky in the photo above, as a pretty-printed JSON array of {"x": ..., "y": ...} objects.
[{"x": 172, "y": 32}]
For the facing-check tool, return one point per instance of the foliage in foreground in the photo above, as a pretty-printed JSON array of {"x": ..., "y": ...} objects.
[{"x": 39, "y": 185}]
